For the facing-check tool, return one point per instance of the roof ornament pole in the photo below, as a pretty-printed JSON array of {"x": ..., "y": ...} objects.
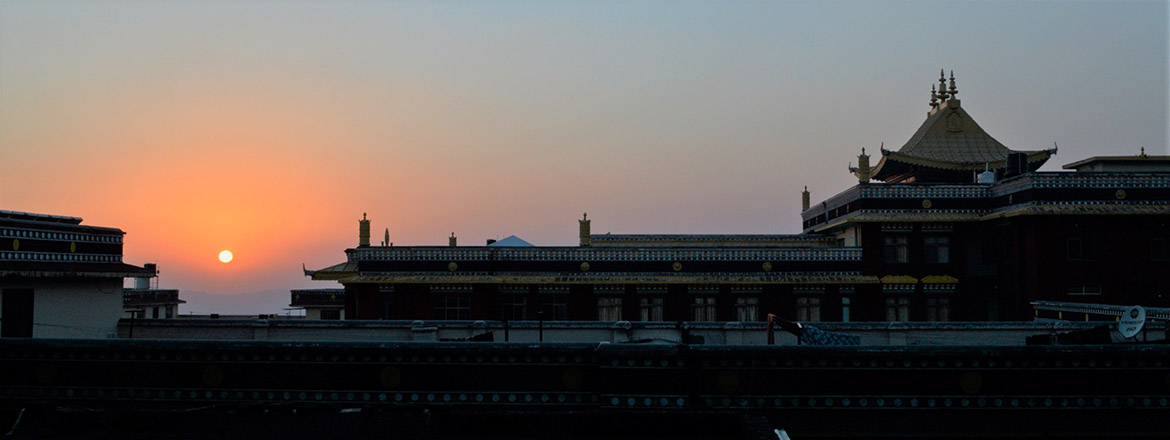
[
  {"x": 953, "y": 90},
  {"x": 863, "y": 167},
  {"x": 942, "y": 85},
  {"x": 933, "y": 97}
]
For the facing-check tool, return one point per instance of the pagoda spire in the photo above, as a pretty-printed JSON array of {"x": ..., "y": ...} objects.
[
  {"x": 933, "y": 97},
  {"x": 953, "y": 91},
  {"x": 942, "y": 85}
]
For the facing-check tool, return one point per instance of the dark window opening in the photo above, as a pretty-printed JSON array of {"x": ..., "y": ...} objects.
[
  {"x": 555, "y": 307},
  {"x": 1084, "y": 289},
  {"x": 513, "y": 307},
  {"x": 703, "y": 308},
  {"x": 651, "y": 308},
  {"x": 938, "y": 249},
  {"x": 331, "y": 314},
  {"x": 896, "y": 249},
  {"x": 609, "y": 308},
  {"x": 453, "y": 307}
]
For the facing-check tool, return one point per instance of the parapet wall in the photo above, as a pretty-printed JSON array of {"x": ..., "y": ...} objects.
[{"x": 711, "y": 333}]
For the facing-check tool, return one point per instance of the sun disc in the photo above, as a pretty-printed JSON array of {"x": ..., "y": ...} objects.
[{"x": 225, "y": 256}]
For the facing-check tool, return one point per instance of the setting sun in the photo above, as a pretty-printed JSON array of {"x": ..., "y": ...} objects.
[{"x": 225, "y": 256}]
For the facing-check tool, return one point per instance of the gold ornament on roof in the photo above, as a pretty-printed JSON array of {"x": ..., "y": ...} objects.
[{"x": 942, "y": 85}]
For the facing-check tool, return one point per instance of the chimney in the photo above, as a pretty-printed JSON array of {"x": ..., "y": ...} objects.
[
  {"x": 863, "y": 167},
  {"x": 451, "y": 240},
  {"x": 804, "y": 200},
  {"x": 363, "y": 231},
  {"x": 583, "y": 226}
]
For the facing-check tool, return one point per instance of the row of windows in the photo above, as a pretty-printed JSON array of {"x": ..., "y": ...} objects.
[
  {"x": 936, "y": 249},
  {"x": 609, "y": 308},
  {"x": 44, "y": 256},
  {"x": 703, "y": 308},
  {"x": 70, "y": 236},
  {"x": 161, "y": 312}
]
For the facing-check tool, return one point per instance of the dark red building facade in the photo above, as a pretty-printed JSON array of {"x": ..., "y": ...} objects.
[{"x": 952, "y": 226}]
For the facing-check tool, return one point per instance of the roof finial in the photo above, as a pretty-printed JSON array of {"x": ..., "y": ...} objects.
[
  {"x": 933, "y": 97},
  {"x": 1143, "y": 151},
  {"x": 953, "y": 90},
  {"x": 942, "y": 84}
]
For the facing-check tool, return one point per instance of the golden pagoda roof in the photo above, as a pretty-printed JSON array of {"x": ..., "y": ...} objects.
[{"x": 950, "y": 139}]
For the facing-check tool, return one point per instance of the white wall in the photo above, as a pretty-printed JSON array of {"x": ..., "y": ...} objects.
[{"x": 73, "y": 308}]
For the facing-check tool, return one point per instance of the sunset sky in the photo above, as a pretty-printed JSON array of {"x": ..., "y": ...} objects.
[{"x": 268, "y": 128}]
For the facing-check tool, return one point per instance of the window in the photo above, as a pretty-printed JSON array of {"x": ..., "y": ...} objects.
[
  {"x": 747, "y": 308},
  {"x": 938, "y": 249},
  {"x": 170, "y": 312},
  {"x": 555, "y": 307},
  {"x": 896, "y": 249},
  {"x": 1157, "y": 249},
  {"x": 453, "y": 306},
  {"x": 651, "y": 308},
  {"x": 1083, "y": 289},
  {"x": 154, "y": 312},
  {"x": 1080, "y": 249},
  {"x": 938, "y": 308},
  {"x": 609, "y": 308},
  {"x": 703, "y": 308},
  {"x": 808, "y": 308},
  {"x": 513, "y": 307},
  {"x": 898, "y": 309},
  {"x": 331, "y": 314},
  {"x": 845, "y": 303}
]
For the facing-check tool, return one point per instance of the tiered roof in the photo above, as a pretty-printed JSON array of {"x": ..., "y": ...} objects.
[{"x": 948, "y": 147}]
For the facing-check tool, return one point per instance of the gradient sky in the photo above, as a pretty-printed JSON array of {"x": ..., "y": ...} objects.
[{"x": 268, "y": 128}]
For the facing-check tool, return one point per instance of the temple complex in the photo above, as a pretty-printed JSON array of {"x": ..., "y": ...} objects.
[{"x": 952, "y": 226}]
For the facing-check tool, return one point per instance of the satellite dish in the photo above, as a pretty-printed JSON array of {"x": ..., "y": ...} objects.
[{"x": 1132, "y": 321}]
